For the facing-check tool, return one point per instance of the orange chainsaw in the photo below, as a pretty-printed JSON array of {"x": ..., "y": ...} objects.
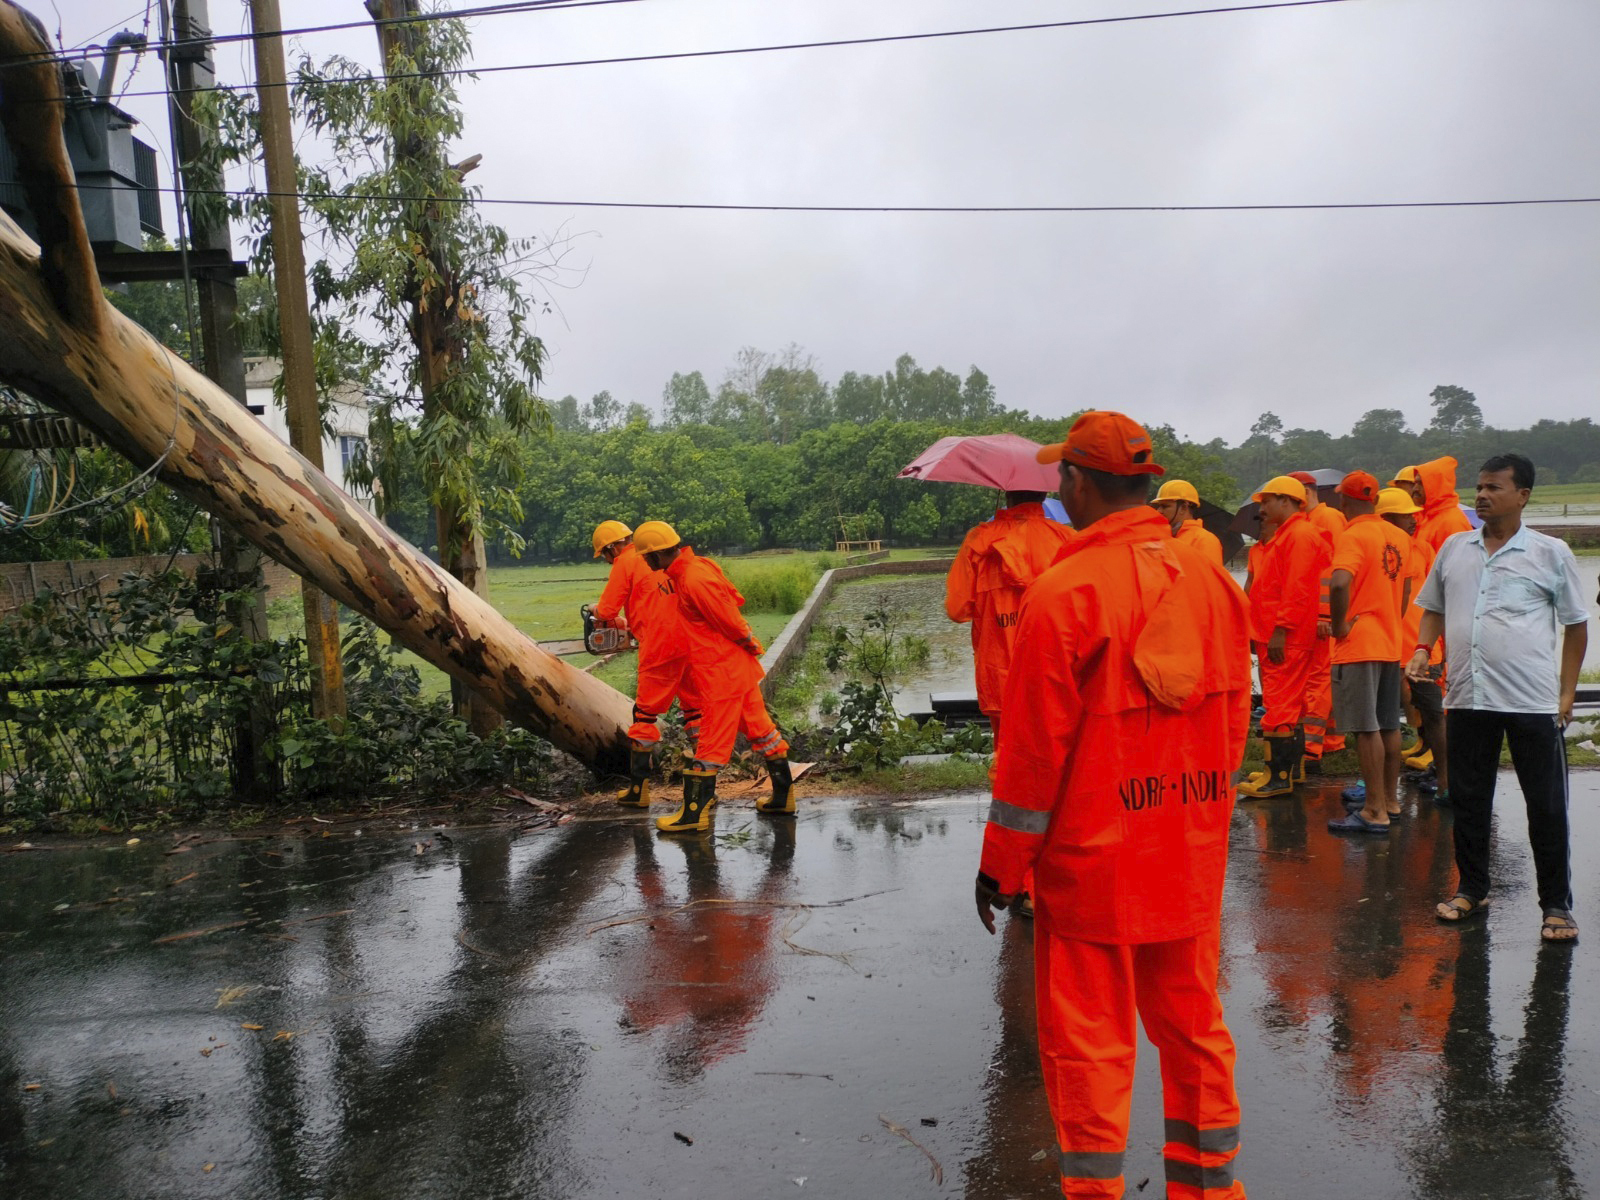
[{"x": 603, "y": 639}]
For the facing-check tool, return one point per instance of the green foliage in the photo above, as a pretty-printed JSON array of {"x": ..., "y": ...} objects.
[
  {"x": 768, "y": 586},
  {"x": 125, "y": 750}
]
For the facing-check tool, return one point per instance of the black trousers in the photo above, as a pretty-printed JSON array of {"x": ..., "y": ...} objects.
[{"x": 1539, "y": 756}]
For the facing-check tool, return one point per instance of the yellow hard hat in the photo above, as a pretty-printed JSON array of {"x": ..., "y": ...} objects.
[
  {"x": 1404, "y": 475},
  {"x": 607, "y": 532},
  {"x": 655, "y": 535},
  {"x": 1396, "y": 500},
  {"x": 1282, "y": 485},
  {"x": 1179, "y": 489}
]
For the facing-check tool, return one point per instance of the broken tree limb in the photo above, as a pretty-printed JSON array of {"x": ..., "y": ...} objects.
[{"x": 62, "y": 343}]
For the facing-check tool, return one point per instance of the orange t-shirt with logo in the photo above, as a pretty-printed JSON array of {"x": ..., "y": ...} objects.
[{"x": 1375, "y": 554}]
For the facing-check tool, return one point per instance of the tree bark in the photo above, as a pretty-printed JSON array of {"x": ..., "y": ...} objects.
[{"x": 63, "y": 344}]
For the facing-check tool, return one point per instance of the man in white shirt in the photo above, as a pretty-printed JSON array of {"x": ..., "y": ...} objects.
[{"x": 1498, "y": 595}]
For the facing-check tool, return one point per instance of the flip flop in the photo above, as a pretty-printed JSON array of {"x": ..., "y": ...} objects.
[
  {"x": 1356, "y": 792},
  {"x": 1478, "y": 908},
  {"x": 1356, "y": 823},
  {"x": 1550, "y": 925}
]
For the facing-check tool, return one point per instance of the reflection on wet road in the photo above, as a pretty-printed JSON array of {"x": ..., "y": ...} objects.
[{"x": 540, "y": 1016}]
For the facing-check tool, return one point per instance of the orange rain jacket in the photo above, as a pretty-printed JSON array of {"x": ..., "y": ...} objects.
[
  {"x": 1441, "y": 507},
  {"x": 1289, "y": 591},
  {"x": 721, "y": 646},
  {"x": 996, "y": 563},
  {"x": 1128, "y": 717},
  {"x": 649, "y": 599},
  {"x": 1418, "y": 564},
  {"x": 1328, "y": 518},
  {"x": 1193, "y": 533}
]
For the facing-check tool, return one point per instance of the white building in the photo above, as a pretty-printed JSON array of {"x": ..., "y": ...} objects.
[{"x": 347, "y": 413}]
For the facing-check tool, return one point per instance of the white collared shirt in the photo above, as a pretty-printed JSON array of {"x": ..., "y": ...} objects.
[{"x": 1502, "y": 614}]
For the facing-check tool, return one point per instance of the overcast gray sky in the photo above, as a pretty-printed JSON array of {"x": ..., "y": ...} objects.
[{"x": 1202, "y": 320}]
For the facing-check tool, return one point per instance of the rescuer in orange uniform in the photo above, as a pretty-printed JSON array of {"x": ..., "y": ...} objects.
[
  {"x": 1322, "y": 738},
  {"x": 1115, "y": 792},
  {"x": 996, "y": 563},
  {"x": 1286, "y": 600},
  {"x": 1433, "y": 485},
  {"x": 648, "y": 599},
  {"x": 1397, "y": 506},
  {"x": 1370, "y": 592},
  {"x": 1179, "y": 503},
  {"x": 725, "y": 668}
]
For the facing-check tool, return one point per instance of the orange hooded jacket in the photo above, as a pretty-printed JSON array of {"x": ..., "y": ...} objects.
[
  {"x": 1127, "y": 718},
  {"x": 1289, "y": 593},
  {"x": 996, "y": 563},
  {"x": 723, "y": 660},
  {"x": 651, "y": 603},
  {"x": 1441, "y": 507},
  {"x": 1193, "y": 533}
]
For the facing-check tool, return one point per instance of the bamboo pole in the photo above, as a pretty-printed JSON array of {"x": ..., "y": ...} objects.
[{"x": 63, "y": 344}]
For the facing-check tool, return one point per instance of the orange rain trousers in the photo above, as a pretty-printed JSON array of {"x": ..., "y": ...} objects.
[
  {"x": 659, "y": 684},
  {"x": 725, "y": 718},
  {"x": 1088, "y": 994},
  {"x": 1320, "y": 735},
  {"x": 1286, "y": 686}
]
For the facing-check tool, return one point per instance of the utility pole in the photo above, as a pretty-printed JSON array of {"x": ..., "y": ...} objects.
[
  {"x": 461, "y": 551},
  {"x": 294, "y": 325},
  {"x": 190, "y": 68}
]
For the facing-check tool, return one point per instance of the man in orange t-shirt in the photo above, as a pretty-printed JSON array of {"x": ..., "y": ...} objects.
[
  {"x": 1396, "y": 506},
  {"x": 1322, "y": 737},
  {"x": 1369, "y": 594},
  {"x": 1114, "y": 792}
]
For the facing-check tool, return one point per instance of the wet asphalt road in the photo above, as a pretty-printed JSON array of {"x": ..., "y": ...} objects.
[{"x": 540, "y": 1016}]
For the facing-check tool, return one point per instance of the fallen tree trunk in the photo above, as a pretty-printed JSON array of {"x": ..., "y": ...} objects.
[{"x": 61, "y": 342}]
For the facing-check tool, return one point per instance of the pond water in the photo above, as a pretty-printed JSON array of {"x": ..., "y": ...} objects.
[{"x": 918, "y": 601}]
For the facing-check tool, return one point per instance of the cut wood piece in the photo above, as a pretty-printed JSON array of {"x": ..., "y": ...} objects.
[{"x": 63, "y": 344}]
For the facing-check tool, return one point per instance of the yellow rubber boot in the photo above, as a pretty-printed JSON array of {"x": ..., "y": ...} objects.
[
  {"x": 699, "y": 797},
  {"x": 1279, "y": 779},
  {"x": 1412, "y": 750},
  {"x": 637, "y": 793},
  {"x": 781, "y": 802},
  {"x": 1420, "y": 762}
]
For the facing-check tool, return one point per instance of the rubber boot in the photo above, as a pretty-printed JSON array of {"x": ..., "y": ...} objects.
[
  {"x": 699, "y": 797},
  {"x": 1280, "y": 770},
  {"x": 1412, "y": 750},
  {"x": 781, "y": 802},
  {"x": 1298, "y": 775},
  {"x": 637, "y": 793},
  {"x": 1420, "y": 762}
]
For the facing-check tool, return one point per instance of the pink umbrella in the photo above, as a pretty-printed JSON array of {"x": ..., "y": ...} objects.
[{"x": 996, "y": 460}]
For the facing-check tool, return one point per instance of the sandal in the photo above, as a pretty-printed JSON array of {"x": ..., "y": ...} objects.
[
  {"x": 1450, "y": 911},
  {"x": 1558, "y": 926}
]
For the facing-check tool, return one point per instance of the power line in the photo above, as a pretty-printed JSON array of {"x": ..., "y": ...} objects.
[
  {"x": 486, "y": 10},
  {"x": 1328, "y": 206},
  {"x": 885, "y": 39}
]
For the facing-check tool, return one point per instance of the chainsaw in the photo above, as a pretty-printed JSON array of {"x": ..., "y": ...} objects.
[{"x": 603, "y": 639}]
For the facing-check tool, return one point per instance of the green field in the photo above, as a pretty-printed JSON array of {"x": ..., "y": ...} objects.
[
  {"x": 1545, "y": 495},
  {"x": 543, "y": 602}
]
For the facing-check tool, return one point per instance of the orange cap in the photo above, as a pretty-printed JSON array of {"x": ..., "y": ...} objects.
[
  {"x": 1105, "y": 441},
  {"x": 1359, "y": 485},
  {"x": 1305, "y": 477}
]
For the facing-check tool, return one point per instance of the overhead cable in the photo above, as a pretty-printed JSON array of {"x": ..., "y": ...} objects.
[
  {"x": 680, "y": 55},
  {"x": 1325, "y": 206}
]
